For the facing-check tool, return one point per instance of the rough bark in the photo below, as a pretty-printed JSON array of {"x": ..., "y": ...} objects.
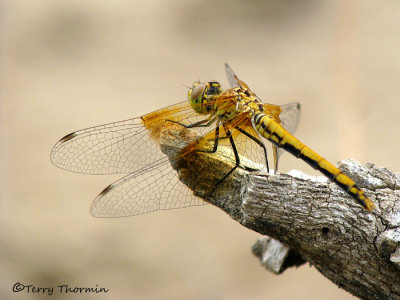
[{"x": 306, "y": 219}]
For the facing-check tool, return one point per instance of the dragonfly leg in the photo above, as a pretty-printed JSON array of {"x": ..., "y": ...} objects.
[
  {"x": 276, "y": 157},
  {"x": 260, "y": 143},
  {"x": 207, "y": 122},
  {"x": 215, "y": 146},
  {"x": 237, "y": 159}
]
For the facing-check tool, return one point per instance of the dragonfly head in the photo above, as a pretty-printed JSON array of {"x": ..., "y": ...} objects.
[{"x": 202, "y": 96}]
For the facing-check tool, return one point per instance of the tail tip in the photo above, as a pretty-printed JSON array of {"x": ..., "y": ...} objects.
[{"x": 369, "y": 205}]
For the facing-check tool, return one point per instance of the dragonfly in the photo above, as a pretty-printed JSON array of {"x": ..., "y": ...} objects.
[{"x": 234, "y": 119}]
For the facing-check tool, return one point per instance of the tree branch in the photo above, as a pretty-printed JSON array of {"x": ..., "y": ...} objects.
[{"x": 312, "y": 218}]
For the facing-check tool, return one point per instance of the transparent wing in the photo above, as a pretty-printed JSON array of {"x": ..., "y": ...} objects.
[
  {"x": 120, "y": 147},
  {"x": 131, "y": 146},
  {"x": 289, "y": 118},
  {"x": 155, "y": 187},
  {"x": 233, "y": 80}
]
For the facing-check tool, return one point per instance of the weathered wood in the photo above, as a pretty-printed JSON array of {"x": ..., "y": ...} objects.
[{"x": 312, "y": 218}]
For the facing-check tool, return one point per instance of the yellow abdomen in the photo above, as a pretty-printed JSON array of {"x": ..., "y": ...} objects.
[{"x": 267, "y": 126}]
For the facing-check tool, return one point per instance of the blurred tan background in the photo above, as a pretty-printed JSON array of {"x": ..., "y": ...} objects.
[{"x": 67, "y": 65}]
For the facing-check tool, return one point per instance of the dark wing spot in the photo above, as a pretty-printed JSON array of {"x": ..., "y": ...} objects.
[
  {"x": 106, "y": 190},
  {"x": 68, "y": 137}
]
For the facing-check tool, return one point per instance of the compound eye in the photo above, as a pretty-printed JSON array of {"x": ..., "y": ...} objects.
[{"x": 198, "y": 90}]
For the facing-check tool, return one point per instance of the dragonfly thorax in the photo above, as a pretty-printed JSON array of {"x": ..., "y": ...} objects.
[
  {"x": 249, "y": 105},
  {"x": 239, "y": 100}
]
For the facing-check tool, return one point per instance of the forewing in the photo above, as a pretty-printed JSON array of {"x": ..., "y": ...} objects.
[
  {"x": 155, "y": 187},
  {"x": 120, "y": 147}
]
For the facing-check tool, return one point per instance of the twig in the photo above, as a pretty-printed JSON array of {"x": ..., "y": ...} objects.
[{"x": 313, "y": 219}]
